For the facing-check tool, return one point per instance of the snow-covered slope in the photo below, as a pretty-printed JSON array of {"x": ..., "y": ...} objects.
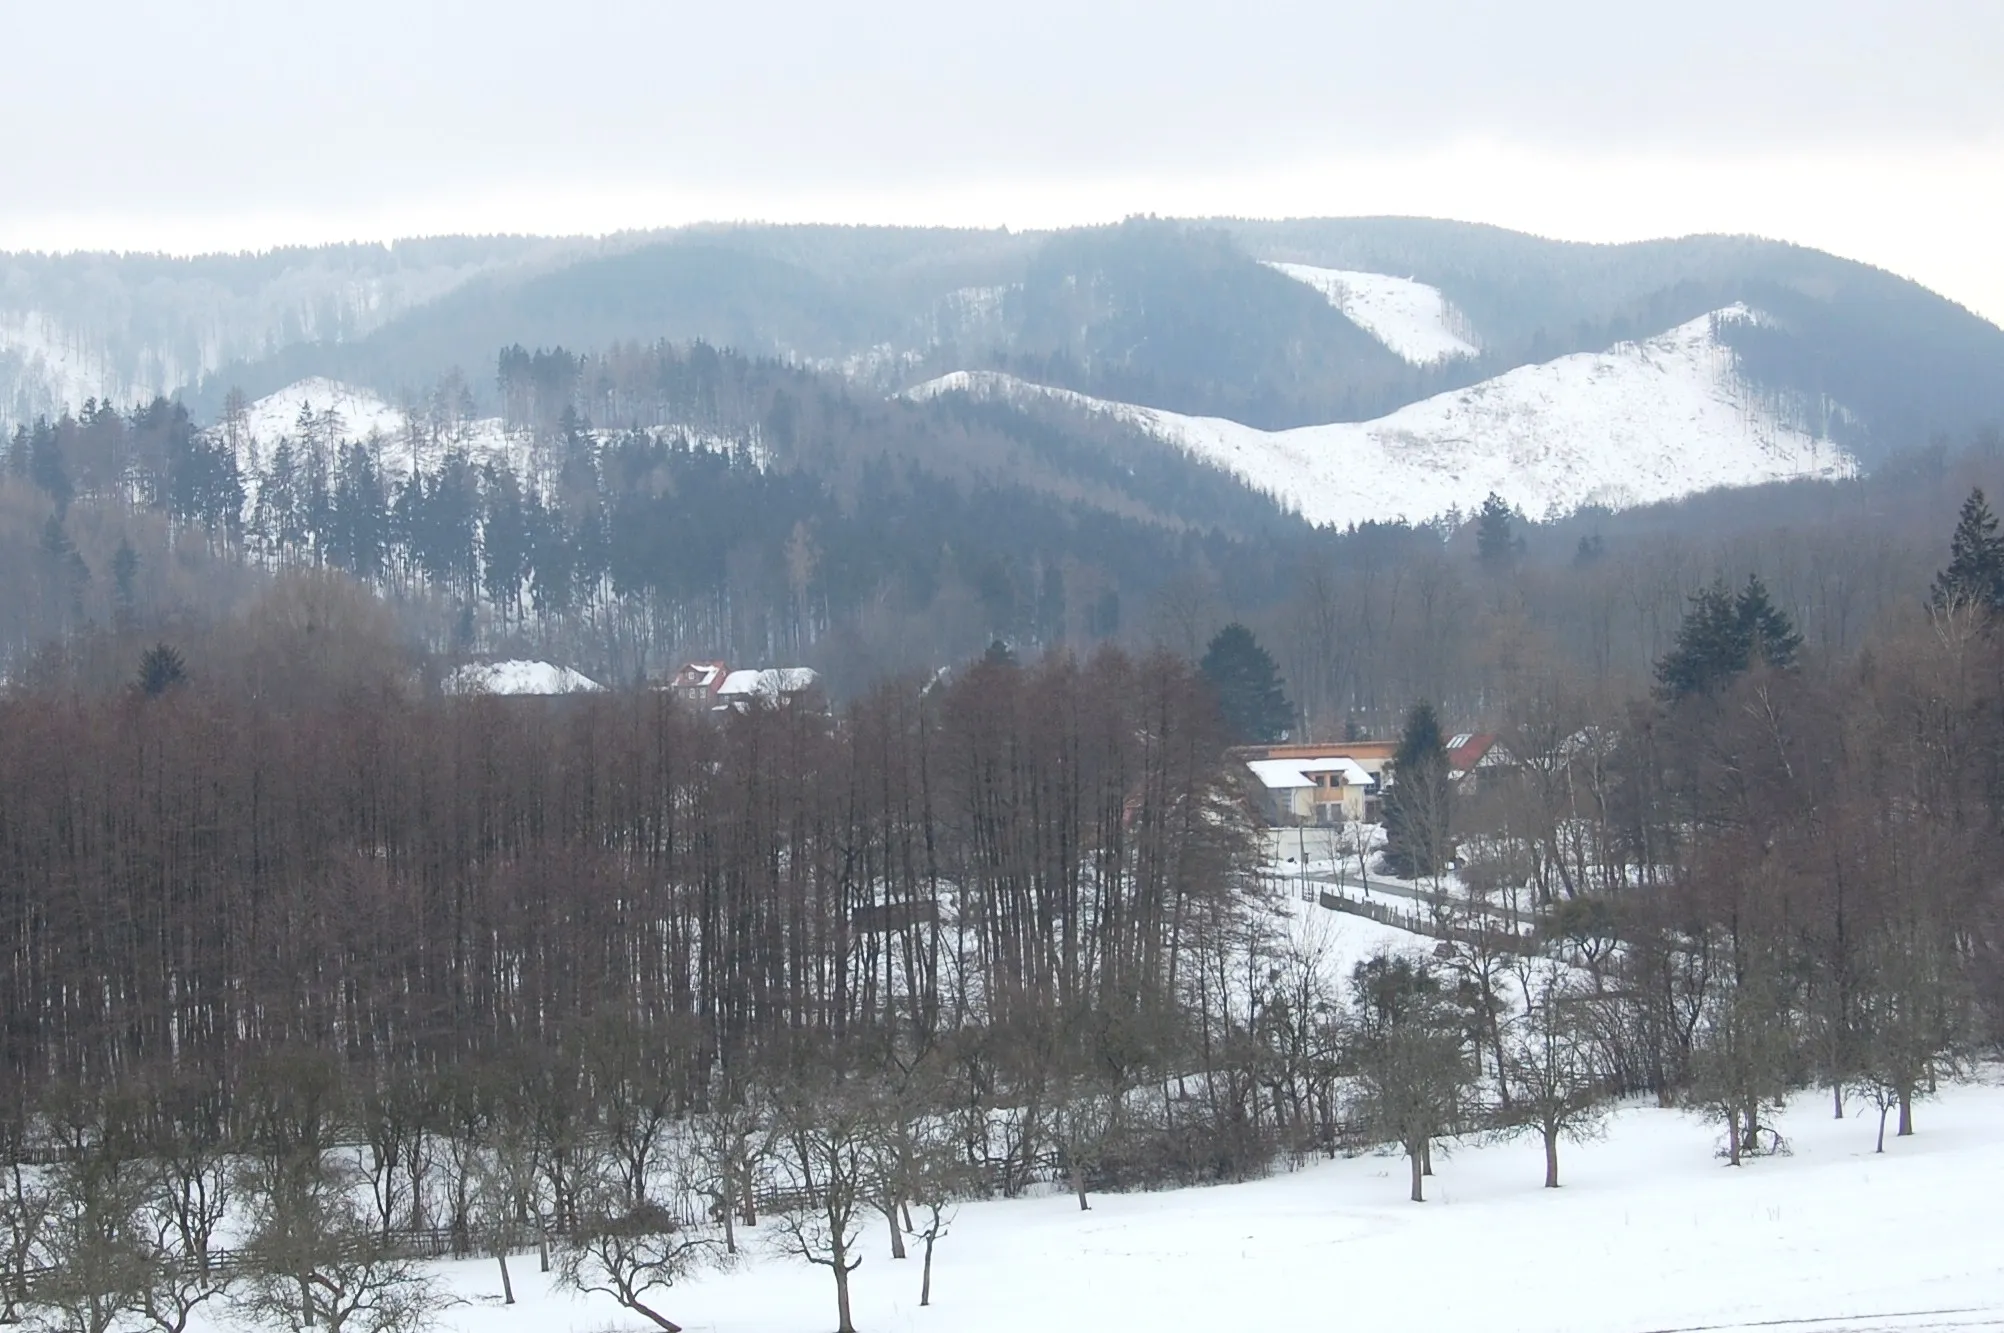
[
  {"x": 333, "y": 413},
  {"x": 519, "y": 677},
  {"x": 336, "y": 413},
  {"x": 1640, "y": 423},
  {"x": 1409, "y": 317},
  {"x": 357, "y": 413},
  {"x": 1650, "y": 1232}
]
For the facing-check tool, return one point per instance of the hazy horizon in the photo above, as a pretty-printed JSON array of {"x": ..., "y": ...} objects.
[{"x": 1871, "y": 132}]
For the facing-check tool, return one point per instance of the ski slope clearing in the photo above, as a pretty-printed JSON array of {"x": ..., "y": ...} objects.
[
  {"x": 1412, "y": 319},
  {"x": 1650, "y": 1234},
  {"x": 1640, "y": 423}
]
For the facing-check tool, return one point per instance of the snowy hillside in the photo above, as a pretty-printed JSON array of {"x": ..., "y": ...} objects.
[
  {"x": 1640, "y": 423},
  {"x": 332, "y": 412},
  {"x": 46, "y": 371},
  {"x": 1651, "y": 1232},
  {"x": 359, "y": 413},
  {"x": 519, "y": 678},
  {"x": 1409, "y": 317}
]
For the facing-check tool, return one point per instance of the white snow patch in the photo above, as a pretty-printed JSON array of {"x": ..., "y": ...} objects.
[
  {"x": 1640, "y": 423},
  {"x": 519, "y": 677},
  {"x": 1411, "y": 318},
  {"x": 356, "y": 413}
]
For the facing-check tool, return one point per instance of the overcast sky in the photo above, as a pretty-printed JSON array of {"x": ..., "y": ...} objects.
[{"x": 1872, "y": 128}]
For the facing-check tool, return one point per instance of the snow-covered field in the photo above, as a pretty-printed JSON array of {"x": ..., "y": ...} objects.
[
  {"x": 1409, "y": 317},
  {"x": 1642, "y": 422},
  {"x": 1650, "y": 1233}
]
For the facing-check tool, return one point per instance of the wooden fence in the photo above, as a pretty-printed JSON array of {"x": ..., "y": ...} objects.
[{"x": 1419, "y": 923}]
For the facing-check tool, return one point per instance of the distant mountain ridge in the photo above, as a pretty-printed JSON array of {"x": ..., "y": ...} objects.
[{"x": 1202, "y": 319}]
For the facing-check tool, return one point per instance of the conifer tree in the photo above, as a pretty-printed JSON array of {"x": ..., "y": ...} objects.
[
  {"x": 125, "y": 579},
  {"x": 1766, "y": 635},
  {"x": 1975, "y": 573},
  {"x": 1722, "y": 635},
  {"x": 160, "y": 670},
  {"x": 1496, "y": 542},
  {"x": 1418, "y": 814},
  {"x": 1255, "y": 707}
]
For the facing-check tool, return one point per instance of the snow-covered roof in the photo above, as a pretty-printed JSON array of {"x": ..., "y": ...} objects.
[
  {"x": 1282, "y": 774},
  {"x": 770, "y": 683},
  {"x": 518, "y": 677},
  {"x": 700, "y": 675}
]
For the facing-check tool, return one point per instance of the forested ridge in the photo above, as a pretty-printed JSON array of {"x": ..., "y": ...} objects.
[{"x": 1179, "y": 314}]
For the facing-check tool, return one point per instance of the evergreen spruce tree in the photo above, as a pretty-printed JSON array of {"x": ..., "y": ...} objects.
[
  {"x": 125, "y": 579},
  {"x": 1418, "y": 805},
  {"x": 160, "y": 670},
  {"x": 1496, "y": 542},
  {"x": 1250, "y": 697},
  {"x": 1708, "y": 648},
  {"x": 1975, "y": 573},
  {"x": 47, "y": 467},
  {"x": 1766, "y": 635},
  {"x": 1724, "y": 634}
]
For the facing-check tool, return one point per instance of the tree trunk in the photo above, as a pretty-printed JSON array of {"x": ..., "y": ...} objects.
[
  {"x": 1906, "y": 1113},
  {"x": 847, "y": 1325},
  {"x": 897, "y": 1236},
  {"x": 1551, "y": 1157},
  {"x": 661, "y": 1321},
  {"x": 1078, "y": 1187},
  {"x": 1419, "y": 1191},
  {"x": 543, "y": 1249},
  {"x": 1837, "y": 1098},
  {"x": 1883, "y": 1108},
  {"x": 1426, "y": 1157},
  {"x": 925, "y": 1281},
  {"x": 507, "y": 1286},
  {"x": 1733, "y": 1137}
]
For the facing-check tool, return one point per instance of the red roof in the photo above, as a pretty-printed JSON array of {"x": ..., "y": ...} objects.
[{"x": 1465, "y": 750}]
